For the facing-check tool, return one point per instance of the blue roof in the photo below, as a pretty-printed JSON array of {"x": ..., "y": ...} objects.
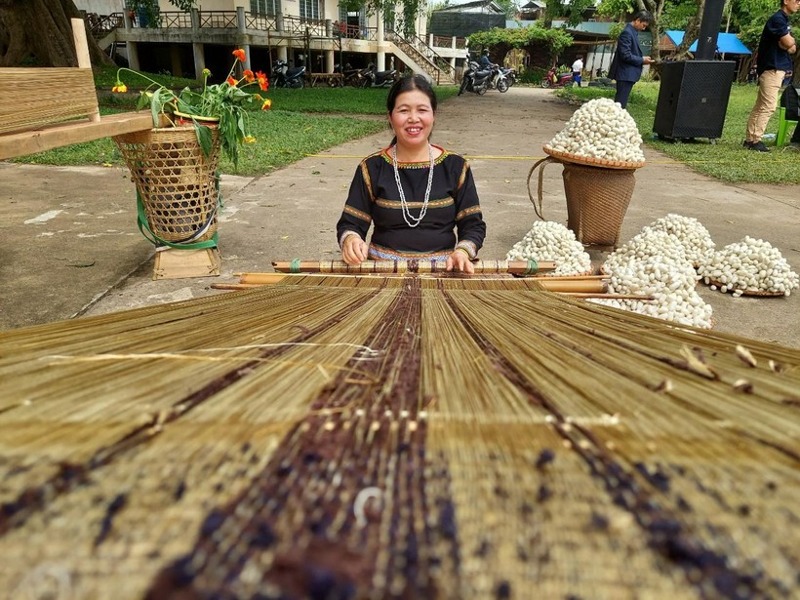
[{"x": 727, "y": 43}]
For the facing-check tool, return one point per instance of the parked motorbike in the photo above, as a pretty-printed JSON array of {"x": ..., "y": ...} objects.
[
  {"x": 498, "y": 80},
  {"x": 556, "y": 80},
  {"x": 374, "y": 78},
  {"x": 475, "y": 79},
  {"x": 510, "y": 74},
  {"x": 285, "y": 77},
  {"x": 350, "y": 76}
]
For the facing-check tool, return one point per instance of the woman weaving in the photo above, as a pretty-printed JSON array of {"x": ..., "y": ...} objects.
[{"x": 415, "y": 193}]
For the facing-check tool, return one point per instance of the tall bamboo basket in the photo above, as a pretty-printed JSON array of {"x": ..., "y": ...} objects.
[
  {"x": 598, "y": 193},
  {"x": 176, "y": 181}
]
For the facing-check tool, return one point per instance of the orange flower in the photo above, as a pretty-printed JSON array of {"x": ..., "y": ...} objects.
[
  {"x": 263, "y": 82},
  {"x": 120, "y": 88},
  {"x": 267, "y": 104},
  {"x": 239, "y": 54},
  {"x": 248, "y": 75},
  {"x": 231, "y": 81}
]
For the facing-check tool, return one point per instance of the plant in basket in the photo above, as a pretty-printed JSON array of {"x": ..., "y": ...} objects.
[{"x": 222, "y": 106}]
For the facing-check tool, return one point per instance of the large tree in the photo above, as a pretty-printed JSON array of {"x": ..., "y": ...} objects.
[
  {"x": 620, "y": 8},
  {"x": 38, "y": 32}
]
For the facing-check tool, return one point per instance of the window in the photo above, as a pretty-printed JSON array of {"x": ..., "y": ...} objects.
[
  {"x": 309, "y": 9},
  {"x": 264, "y": 7}
]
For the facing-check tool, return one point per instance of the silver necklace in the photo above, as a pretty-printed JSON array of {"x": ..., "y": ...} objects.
[{"x": 410, "y": 219}]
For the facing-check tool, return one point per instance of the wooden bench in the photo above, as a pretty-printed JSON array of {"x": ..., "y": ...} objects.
[
  {"x": 331, "y": 79},
  {"x": 44, "y": 108}
]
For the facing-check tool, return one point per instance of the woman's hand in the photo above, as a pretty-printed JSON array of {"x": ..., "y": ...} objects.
[
  {"x": 354, "y": 250},
  {"x": 459, "y": 261}
]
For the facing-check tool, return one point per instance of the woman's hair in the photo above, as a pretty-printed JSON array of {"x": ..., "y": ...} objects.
[{"x": 409, "y": 83}]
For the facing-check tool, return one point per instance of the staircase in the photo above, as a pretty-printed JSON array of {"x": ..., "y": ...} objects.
[{"x": 424, "y": 57}]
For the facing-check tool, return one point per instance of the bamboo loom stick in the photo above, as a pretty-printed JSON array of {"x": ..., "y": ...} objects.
[
  {"x": 591, "y": 288},
  {"x": 238, "y": 286},
  {"x": 520, "y": 267},
  {"x": 552, "y": 284},
  {"x": 595, "y": 286},
  {"x": 610, "y": 296},
  {"x": 263, "y": 278}
]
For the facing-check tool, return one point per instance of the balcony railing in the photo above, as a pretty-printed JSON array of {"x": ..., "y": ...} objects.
[
  {"x": 260, "y": 22},
  {"x": 301, "y": 26},
  {"x": 175, "y": 20},
  {"x": 221, "y": 19}
]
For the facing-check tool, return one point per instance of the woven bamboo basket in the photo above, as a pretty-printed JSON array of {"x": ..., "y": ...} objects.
[
  {"x": 176, "y": 181},
  {"x": 598, "y": 193}
]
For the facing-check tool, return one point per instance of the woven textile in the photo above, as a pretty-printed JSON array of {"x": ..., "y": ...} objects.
[
  {"x": 42, "y": 96},
  {"x": 408, "y": 437}
]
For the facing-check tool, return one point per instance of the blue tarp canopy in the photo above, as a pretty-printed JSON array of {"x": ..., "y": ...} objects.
[{"x": 727, "y": 43}]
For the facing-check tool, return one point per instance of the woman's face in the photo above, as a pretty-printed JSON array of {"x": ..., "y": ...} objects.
[{"x": 412, "y": 118}]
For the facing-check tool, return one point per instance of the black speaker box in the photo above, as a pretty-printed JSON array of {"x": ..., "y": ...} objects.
[{"x": 693, "y": 98}]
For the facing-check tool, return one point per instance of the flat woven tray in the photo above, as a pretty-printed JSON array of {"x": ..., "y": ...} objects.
[
  {"x": 760, "y": 293},
  {"x": 592, "y": 162}
]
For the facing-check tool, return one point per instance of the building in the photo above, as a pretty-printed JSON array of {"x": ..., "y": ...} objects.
[{"x": 315, "y": 33}]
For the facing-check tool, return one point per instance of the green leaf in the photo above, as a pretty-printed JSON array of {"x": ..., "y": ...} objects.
[{"x": 205, "y": 137}]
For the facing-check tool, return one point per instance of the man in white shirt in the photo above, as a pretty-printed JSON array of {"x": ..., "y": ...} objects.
[{"x": 577, "y": 68}]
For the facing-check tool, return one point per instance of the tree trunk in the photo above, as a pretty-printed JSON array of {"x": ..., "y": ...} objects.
[
  {"x": 692, "y": 31},
  {"x": 39, "y": 33}
]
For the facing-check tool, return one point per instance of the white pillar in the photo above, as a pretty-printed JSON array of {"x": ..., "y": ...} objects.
[
  {"x": 282, "y": 53},
  {"x": 330, "y": 61},
  {"x": 380, "y": 63}
]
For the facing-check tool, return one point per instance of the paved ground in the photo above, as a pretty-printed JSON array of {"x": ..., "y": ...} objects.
[{"x": 71, "y": 245}]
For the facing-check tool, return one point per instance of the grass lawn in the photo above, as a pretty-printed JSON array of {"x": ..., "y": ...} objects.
[
  {"x": 726, "y": 159},
  {"x": 301, "y": 122}
]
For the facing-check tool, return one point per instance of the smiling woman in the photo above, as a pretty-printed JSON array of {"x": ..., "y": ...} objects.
[{"x": 420, "y": 197}]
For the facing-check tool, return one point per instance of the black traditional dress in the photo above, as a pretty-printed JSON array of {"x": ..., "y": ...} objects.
[{"x": 453, "y": 218}]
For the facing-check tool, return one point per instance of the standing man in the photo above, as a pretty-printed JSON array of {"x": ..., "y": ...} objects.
[
  {"x": 577, "y": 69},
  {"x": 772, "y": 63},
  {"x": 626, "y": 67}
]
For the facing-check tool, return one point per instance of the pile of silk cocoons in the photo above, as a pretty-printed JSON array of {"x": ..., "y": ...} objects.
[
  {"x": 600, "y": 128},
  {"x": 693, "y": 236},
  {"x": 655, "y": 263},
  {"x": 548, "y": 240},
  {"x": 752, "y": 265}
]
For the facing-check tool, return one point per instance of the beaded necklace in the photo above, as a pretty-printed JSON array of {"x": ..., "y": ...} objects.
[{"x": 410, "y": 219}]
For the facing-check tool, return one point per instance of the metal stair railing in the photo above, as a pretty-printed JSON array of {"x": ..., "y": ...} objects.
[{"x": 426, "y": 57}]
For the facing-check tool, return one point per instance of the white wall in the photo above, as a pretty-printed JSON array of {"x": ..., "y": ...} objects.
[{"x": 101, "y": 7}]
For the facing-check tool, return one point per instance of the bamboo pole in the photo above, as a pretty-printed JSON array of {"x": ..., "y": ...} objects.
[{"x": 410, "y": 266}]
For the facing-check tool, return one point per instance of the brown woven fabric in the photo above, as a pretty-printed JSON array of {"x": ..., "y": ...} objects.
[
  {"x": 31, "y": 98},
  {"x": 597, "y": 199},
  {"x": 176, "y": 181}
]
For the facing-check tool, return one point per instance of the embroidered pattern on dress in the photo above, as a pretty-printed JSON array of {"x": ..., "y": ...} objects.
[
  {"x": 468, "y": 211},
  {"x": 357, "y": 213},
  {"x": 380, "y": 252},
  {"x": 416, "y": 165},
  {"x": 384, "y": 203}
]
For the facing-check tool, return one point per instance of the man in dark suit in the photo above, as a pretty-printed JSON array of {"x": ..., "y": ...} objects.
[{"x": 626, "y": 67}]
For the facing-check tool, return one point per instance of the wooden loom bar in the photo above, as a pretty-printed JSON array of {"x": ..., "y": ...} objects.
[{"x": 520, "y": 267}]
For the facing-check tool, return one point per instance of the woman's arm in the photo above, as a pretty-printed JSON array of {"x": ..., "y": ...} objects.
[
  {"x": 470, "y": 226},
  {"x": 353, "y": 225}
]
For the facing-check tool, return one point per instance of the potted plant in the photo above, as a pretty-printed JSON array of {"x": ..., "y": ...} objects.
[
  {"x": 174, "y": 165},
  {"x": 222, "y": 106}
]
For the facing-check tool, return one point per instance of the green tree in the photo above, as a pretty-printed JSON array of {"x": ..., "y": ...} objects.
[
  {"x": 543, "y": 45},
  {"x": 571, "y": 12},
  {"x": 619, "y": 9}
]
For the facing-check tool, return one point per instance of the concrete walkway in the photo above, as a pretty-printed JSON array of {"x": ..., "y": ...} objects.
[{"x": 71, "y": 245}]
